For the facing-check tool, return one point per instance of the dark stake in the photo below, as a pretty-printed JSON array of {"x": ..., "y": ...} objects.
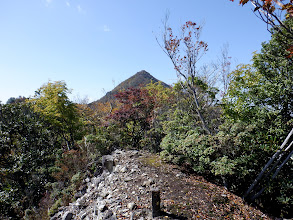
[
  {"x": 156, "y": 202},
  {"x": 108, "y": 163}
]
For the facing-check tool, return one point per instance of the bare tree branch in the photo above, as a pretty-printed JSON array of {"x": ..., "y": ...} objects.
[{"x": 185, "y": 52}]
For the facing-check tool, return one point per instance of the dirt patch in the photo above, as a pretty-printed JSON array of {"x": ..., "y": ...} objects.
[
  {"x": 126, "y": 193},
  {"x": 192, "y": 197}
]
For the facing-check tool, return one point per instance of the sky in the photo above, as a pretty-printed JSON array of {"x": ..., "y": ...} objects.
[{"x": 93, "y": 45}]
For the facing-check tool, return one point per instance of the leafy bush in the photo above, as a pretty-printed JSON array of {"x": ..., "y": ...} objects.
[
  {"x": 259, "y": 104},
  {"x": 28, "y": 147},
  {"x": 185, "y": 143},
  {"x": 233, "y": 157},
  {"x": 102, "y": 142},
  {"x": 55, "y": 207}
]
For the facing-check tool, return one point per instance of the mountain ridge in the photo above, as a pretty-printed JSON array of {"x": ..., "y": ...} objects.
[
  {"x": 123, "y": 190},
  {"x": 141, "y": 78}
]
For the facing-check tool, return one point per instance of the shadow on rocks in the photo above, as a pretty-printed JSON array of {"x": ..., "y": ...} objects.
[{"x": 172, "y": 216}]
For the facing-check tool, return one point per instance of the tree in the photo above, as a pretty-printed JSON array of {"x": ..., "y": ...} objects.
[
  {"x": 271, "y": 12},
  {"x": 264, "y": 89},
  {"x": 274, "y": 63},
  {"x": 163, "y": 97},
  {"x": 260, "y": 96},
  {"x": 28, "y": 146},
  {"x": 185, "y": 51},
  {"x": 51, "y": 100},
  {"x": 224, "y": 64},
  {"x": 13, "y": 100},
  {"x": 136, "y": 112}
]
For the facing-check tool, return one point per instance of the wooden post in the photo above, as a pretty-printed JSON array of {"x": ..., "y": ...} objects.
[
  {"x": 108, "y": 163},
  {"x": 156, "y": 202}
]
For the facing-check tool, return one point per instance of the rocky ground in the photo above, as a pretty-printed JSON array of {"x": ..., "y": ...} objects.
[{"x": 126, "y": 193}]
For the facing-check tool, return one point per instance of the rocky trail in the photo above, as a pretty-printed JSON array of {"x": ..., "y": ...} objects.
[{"x": 124, "y": 191}]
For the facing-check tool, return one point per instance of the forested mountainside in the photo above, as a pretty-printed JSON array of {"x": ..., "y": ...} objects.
[
  {"x": 141, "y": 78},
  {"x": 50, "y": 145}
]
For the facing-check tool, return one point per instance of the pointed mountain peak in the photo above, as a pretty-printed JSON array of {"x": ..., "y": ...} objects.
[
  {"x": 141, "y": 78},
  {"x": 143, "y": 73}
]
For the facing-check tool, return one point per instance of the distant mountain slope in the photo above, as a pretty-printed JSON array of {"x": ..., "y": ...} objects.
[{"x": 141, "y": 78}]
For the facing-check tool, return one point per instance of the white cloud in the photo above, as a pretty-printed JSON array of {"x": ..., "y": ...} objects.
[
  {"x": 68, "y": 4},
  {"x": 106, "y": 28},
  {"x": 48, "y": 2},
  {"x": 80, "y": 9}
]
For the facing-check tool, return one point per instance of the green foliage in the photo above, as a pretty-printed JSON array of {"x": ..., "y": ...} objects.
[
  {"x": 70, "y": 163},
  {"x": 72, "y": 166},
  {"x": 52, "y": 102},
  {"x": 76, "y": 178},
  {"x": 187, "y": 144},
  {"x": 28, "y": 145},
  {"x": 235, "y": 155},
  {"x": 13, "y": 100},
  {"x": 69, "y": 171},
  {"x": 223, "y": 166},
  {"x": 55, "y": 207},
  {"x": 32, "y": 161},
  {"x": 103, "y": 142},
  {"x": 275, "y": 65},
  {"x": 206, "y": 96},
  {"x": 262, "y": 93},
  {"x": 258, "y": 112},
  {"x": 257, "y": 116}
]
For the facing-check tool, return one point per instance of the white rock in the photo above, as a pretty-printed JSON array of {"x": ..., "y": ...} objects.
[
  {"x": 101, "y": 205},
  {"x": 123, "y": 169},
  {"x": 131, "y": 205},
  {"x": 67, "y": 216},
  {"x": 83, "y": 215},
  {"x": 133, "y": 170},
  {"x": 127, "y": 179},
  {"x": 117, "y": 168}
]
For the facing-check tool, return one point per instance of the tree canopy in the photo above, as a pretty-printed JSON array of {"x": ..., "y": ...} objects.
[
  {"x": 28, "y": 145},
  {"x": 51, "y": 100},
  {"x": 273, "y": 13}
]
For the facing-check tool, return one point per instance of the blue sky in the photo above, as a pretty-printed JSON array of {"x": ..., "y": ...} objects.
[{"x": 93, "y": 45}]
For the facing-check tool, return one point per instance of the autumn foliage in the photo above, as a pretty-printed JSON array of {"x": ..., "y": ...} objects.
[
  {"x": 185, "y": 51},
  {"x": 227, "y": 139},
  {"x": 138, "y": 114},
  {"x": 272, "y": 13},
  {"x": 137, "y": 106},
  {"x": 271, "y": 5}
]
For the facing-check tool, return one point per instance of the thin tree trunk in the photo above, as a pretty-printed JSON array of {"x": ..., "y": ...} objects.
[
  {"x": 198, "y": 111},
  {"x": 274, "y": 176},
  {"x": 268, "y": 164}
]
